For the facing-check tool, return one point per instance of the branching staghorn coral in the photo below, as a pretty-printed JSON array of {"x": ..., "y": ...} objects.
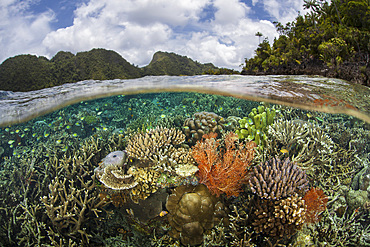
[
  {"x": 32, "y": 172},
  {"x": 306, "y": 143},
  {"x": 68, "y": 208},
  {"x": 346, "y": 230},
  {"x": 311, "y": 147}
]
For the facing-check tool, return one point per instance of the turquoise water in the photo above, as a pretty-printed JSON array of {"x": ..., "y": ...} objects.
[{"x": 53, "y": 140}]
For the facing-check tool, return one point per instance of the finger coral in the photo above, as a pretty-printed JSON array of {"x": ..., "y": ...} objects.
[
  {"x": 279, "y": 218},
  {"x": 192, "y": 211},
  {"x": 223, "y": 171},
  {"x": 202, "y": 123},
  {"x": 277, "y": 179}
]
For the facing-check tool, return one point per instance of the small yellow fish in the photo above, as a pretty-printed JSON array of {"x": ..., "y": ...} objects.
[
  {"x": 309, "y": 115},
  {"x": 163, "y": 213},
  {"x": 284, "y": 151}
]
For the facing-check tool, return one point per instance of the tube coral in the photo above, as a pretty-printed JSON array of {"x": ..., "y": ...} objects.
[{"x": 223, "y": 171}]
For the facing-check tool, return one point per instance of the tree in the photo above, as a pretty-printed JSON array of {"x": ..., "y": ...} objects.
[{"x": 259, "y": 35}]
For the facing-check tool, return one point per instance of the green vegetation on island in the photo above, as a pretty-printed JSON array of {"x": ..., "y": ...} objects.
[
  {"x": 29, "y": 72},
  {"x": 332, "y": 39}
]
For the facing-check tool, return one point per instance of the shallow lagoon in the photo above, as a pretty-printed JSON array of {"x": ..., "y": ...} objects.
[{"x": 51, "y": 196}]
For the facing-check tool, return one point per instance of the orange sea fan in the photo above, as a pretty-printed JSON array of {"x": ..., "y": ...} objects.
[
  {"x": 316, "y": 201},
  {"x": 223, "y": 171}
]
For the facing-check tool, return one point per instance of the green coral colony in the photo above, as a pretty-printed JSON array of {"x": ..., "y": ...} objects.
[
  {"x": 254, "y": 127},
  {"x": 120, "y": 171}
]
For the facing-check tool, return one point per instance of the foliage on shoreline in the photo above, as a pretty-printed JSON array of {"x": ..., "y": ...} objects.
[
  {"x": 331, "y": 40},
  {"x": 29, "y": 72}
]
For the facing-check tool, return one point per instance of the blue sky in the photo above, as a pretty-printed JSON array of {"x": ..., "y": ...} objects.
[{"x": 218, "y": 31}]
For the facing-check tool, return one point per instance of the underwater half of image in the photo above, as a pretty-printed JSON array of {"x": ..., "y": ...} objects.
[{"x": 185, "y": 169}]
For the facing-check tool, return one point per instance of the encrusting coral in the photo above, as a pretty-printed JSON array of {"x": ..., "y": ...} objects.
[
  {"x": 192, "y": 211},
  {"x": 277, "y": 179},
  {"x": 223, "y": 171},
  {"x": 202, "y": 123},
  {"x": 112, "y": 172}
]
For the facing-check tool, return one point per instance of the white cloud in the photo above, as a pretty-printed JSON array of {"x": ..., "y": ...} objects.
[
  {"x": 22, "y": 32},
  {"x": 283, "y": 10},
  {"x": 138, "y": 28}
]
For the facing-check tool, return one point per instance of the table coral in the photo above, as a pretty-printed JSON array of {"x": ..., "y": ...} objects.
[{"x": 112, "y": 172}]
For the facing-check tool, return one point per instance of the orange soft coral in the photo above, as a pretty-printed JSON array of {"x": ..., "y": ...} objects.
[
  {"x": 223, "y": 171},
  {"x": 316, "y": 201}
]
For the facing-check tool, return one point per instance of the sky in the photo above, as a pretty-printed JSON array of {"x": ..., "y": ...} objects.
[{"x": 221, "y": 32}]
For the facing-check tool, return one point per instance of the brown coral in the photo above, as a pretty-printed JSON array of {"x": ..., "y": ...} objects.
[
  {"x": 192, "y": 211},
  {"x": 144, "y": 146},
  {"x": 279, "y": 218},
  {"x": 223, "y": 171},
  {"x": 160, "y": 147},
  {"x": 277, "y": 179},
  {"x": 146, "y": 179},
  {"x": 202, "y": 123}
]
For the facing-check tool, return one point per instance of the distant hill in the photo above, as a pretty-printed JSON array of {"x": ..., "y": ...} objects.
[
  {"x": 166, "y": 63},
  {"x": 29, "y": 72}
]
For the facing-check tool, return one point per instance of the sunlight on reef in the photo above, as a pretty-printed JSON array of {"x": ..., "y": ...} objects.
[
  {"x": 306, "y": 92},
  {"x": 186, "y": 168}
]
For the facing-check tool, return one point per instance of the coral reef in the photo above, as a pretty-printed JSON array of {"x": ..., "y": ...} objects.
[
  {"x": 193, "y": 211},
  {"x": 113, "y": 172},
  {"x": 254, "y": 127},
  {"x": 52, "y": 196},
  {"x": 277, "y": 179},
  {"x": 223, "y": 171},
  {"x": 279, "y": 218},
  {"x": 202, "y": 123}
]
